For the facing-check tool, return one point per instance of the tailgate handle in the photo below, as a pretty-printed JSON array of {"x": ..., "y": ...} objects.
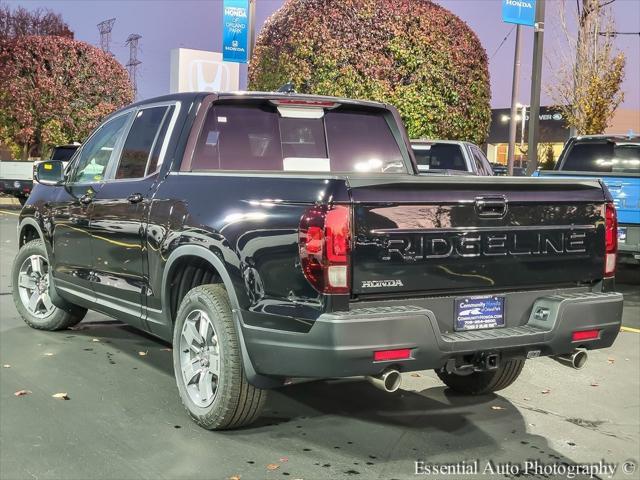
[{"x": 493, "y": 207}]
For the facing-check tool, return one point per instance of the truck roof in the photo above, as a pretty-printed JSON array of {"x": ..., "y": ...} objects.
[
  {"x": 194, "y": 96},
  {"x": 610, "y": 136}
]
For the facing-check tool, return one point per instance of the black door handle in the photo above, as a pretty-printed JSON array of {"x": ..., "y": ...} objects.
[
  {"x": 135, "y": 197},
  {"x": 86, "y": 199}
]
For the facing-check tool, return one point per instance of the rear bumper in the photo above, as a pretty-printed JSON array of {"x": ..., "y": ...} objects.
[{"x": 342, "y": 345}]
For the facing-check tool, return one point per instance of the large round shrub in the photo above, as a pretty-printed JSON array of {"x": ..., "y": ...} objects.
[
  {"x": 411, "y": 53},
  {"x": 55, "y": 90}
]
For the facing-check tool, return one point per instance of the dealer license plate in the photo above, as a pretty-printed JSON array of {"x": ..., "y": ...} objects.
[{"x": 475, "y": 313}]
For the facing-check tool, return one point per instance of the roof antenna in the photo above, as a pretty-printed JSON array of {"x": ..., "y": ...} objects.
[{"x": 287, "y": 88}]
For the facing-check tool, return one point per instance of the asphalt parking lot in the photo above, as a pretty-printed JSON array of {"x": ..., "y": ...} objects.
[{"x": 124, "y": 419}]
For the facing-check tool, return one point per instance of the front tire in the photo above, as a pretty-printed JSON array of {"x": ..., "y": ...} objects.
[
  {"x": 480, "y": 383},
  {"x": 31, "y": 280},
  {"x": 207, "y": 362}
]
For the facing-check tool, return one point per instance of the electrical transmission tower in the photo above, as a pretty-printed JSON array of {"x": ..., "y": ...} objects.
[
  {"x": 132, "y": 64},
  {"x": 105, "y": 34}
]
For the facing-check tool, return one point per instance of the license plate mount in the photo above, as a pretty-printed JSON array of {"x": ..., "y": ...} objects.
[{"x": 479, "y": 312}]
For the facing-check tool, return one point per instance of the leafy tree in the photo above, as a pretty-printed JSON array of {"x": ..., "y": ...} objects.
[
  {"x": 55, "y": 90},
  {"x": 590, "y": 73},
  {"x": 22, "y": 22},
  {"x": 411, "y": 53}
]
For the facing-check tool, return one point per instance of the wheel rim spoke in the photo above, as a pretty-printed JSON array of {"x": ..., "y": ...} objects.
[
  {"x": 205, "y": 385},
  {"x": 191, "y": 334},
  {"x": 46, "y": 301},
  {"x": 26, "y": 281},
  {"x": 36, "y": 264},
  {"x": 204, "y": 329},
  {"x": 34, "y": 301},
  {"x": 214, "y": 363}
]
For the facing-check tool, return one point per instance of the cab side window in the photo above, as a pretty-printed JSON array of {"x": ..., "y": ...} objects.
[
  {"x": 141, "y": 149},
  {"x": 482, "y": 164},
  {"x": 96, "y": 153}
]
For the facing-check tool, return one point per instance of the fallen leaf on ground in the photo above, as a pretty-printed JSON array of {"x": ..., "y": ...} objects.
[
  {"x": 611, "y": 360},
  {"x": 95, "y": 339},
  {"x": 416, "y": 375},
  {"x": 6, "y": 365},
  {"x": 545, "y": 391},
  {"x": 166, "y": 350},
  {"x": 234, "y": 477},
  {"x": 284, "y": 459},
  {"x": 526, "y": 398},
  {"x": 497, "y": 407},
  {"x": 273, "y": 466},
  {"x": 62, "y": 396},
  {"x": 21, "y": 393},
  {"x": 595, "y": 384},
  {"x": 48, "y": 354},
  {"x": 142, "y": 354}
]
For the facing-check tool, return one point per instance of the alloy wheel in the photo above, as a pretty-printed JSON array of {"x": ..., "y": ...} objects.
[
  {"x": 33, "y": 286},
  {"x": 200, "y": 358}
]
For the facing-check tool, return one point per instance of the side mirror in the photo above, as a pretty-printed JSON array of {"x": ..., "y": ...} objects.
[{"x": 49, "y": 172}]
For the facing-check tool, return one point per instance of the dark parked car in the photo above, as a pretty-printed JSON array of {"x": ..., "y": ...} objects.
[
  {"x": 274, "y": 237},
  {"x": 450, "y": 157}
]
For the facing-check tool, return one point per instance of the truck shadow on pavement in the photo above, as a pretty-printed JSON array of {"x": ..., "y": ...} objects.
[{"x": 339, "y": 427}]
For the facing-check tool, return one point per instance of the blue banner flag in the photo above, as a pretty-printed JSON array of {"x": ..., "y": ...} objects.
[
  {"x": 236, "y": 31},
  {"x": 522, "y": 12}
]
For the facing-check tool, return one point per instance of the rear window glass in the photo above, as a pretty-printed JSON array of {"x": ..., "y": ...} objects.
[
  {"x": 439, "y": 156},
  {"x": 606, "y": 157},
  {"x": 257, "y": 137},
  {"x": 63, "y": 153}
]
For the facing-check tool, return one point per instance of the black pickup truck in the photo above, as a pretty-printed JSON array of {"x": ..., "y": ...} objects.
[{"x": 278, "y": 237}]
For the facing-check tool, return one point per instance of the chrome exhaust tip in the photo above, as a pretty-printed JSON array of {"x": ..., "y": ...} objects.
[
  {"x": 576, "y": 360},
  {"x": 388, "y": 381}
]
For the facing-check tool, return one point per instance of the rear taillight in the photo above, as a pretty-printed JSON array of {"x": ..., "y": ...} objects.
[
  {"x": 324, "y": 241},
  {"x": 611, "y": 240}
]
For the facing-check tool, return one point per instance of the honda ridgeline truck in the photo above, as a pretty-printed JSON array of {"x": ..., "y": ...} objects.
[{"x": 276, "y": 237}]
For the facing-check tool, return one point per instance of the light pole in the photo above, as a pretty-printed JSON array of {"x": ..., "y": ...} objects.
[
  {"x": 514, "y": 105},
  {"x": 536, "y": 80}
]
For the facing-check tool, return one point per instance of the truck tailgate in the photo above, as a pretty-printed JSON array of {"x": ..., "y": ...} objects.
[{"x": 430, "y": 235}]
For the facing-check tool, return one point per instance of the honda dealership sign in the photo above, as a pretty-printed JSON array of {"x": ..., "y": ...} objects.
[
  {"x": 201, "y": 71},
  {"x": 522, "y": 12},
  {"x": 237, "y": 30}
]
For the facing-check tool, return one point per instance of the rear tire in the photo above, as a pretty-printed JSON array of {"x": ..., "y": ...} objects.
[
  {"x": 480, "y": 383},
  {"x": 31, "y": 279},
  {"x": 207, "y": 362}
]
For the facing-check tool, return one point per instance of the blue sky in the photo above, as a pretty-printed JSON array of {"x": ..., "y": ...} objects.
[{"x": 165, "y": 25}]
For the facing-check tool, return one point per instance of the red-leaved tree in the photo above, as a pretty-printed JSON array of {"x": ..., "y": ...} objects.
[{"x": 55, "y": 90}]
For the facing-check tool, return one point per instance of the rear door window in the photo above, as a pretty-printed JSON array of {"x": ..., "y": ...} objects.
[
  {"x": 440, "y": 156},
  {"x": 257, "y": 137},
  {"x": 141, "y": 149}
]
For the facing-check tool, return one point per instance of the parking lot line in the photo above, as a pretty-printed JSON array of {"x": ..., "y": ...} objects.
[
  {"x": 10, "y": 213},
  {"x": 630, "y": 329}
]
